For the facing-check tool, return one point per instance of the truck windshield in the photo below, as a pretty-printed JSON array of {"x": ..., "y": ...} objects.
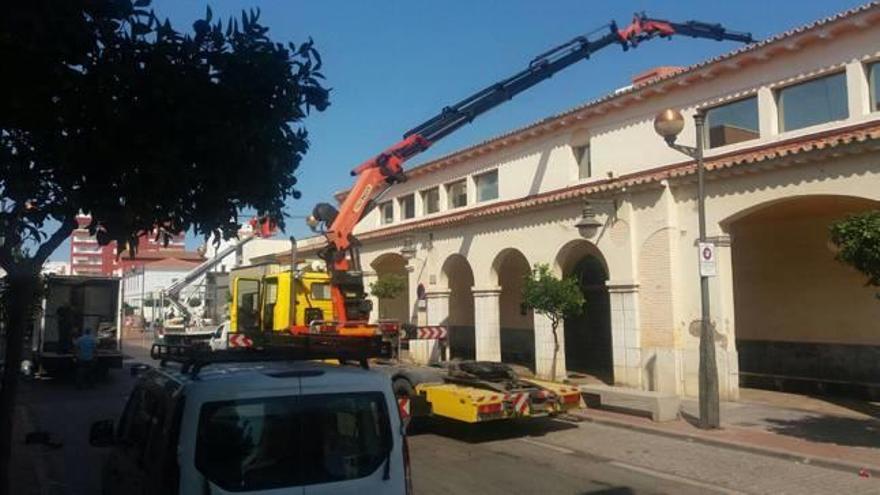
[{"x": 275, "y": 442}]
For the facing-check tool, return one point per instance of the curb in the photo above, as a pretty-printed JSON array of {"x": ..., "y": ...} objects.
[{"x": 824, "y": 462}]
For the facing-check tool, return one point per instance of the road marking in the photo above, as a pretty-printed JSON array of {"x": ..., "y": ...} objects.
[
  {"x": 548, "y": 446},
  {"x": 676, "y": 478}
]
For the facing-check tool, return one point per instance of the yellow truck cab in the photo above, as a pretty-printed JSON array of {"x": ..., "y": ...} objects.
[{"x": 264, "y": 303}]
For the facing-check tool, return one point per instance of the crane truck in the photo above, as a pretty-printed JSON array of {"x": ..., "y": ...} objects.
[{"x": 470, "y": 391}]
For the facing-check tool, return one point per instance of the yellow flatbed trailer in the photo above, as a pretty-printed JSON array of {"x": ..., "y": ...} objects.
[{"x": 471, "y": 398}]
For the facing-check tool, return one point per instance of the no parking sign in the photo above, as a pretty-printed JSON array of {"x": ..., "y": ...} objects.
[{"x": 707, "y": 259}]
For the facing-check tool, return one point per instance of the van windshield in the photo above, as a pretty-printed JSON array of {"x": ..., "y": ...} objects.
[{"x": 275, "y": 442}]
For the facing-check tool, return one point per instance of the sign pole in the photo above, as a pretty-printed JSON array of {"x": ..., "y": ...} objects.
[{"x": 708, "y": 375}]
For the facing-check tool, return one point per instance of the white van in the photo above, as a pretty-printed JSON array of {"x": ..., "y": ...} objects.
[{"x": 281, "y": 427}]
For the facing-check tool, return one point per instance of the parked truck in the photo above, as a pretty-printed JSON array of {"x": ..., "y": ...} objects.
[{"x": 70, "y": 305}]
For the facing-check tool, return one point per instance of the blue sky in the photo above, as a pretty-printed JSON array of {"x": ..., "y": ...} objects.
[{"x": 393, "y": 64}]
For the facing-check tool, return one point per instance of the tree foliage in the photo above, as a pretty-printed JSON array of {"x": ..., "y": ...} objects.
[
  {"x": 552, "y": 297},
  {"x": 857, "y": 238},
  {"x": 106, "y": 109},
  {"x": 388, "y": 286}
]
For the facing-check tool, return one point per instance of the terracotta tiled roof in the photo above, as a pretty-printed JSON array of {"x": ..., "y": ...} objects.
[{"x": 742, "y": 158}]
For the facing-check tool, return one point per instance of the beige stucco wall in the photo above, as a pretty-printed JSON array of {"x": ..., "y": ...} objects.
[{"x": 789, "y": 287}]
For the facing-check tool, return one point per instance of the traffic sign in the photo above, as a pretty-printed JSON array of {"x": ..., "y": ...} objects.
[
  {"x": 432, "y": 332},
  {"x": 708, "y": 264}
]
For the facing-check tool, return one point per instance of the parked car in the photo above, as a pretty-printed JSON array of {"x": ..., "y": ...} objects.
[{"x": 268, "y": 427}]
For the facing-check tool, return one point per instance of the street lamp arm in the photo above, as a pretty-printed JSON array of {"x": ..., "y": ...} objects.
[{"x": 687, "y": 150}]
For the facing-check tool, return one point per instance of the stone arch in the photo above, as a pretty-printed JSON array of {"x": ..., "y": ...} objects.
[
  {"x": 517, "y": 324},
  {"x": 458, "y": 277},
  {"x": 588, "y": 345},
  {"x": 732, "y": 218},
  {"x": 396, "y": 308},
  {"x": 804, "y": 321}
]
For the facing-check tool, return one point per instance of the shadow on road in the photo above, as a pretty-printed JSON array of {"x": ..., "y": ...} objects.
[
  {"x": 830, "y": 429},
  {"x": 491, "y": 431},
  {"x": 840, "y": 430}
]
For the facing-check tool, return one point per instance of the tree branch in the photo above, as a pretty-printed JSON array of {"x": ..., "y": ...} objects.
[{"x": 55, "y": 240}]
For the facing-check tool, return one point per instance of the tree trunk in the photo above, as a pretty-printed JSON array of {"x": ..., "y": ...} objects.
[
  {"x": 553, "y": 326},
  {"x": 18, "y": 315}
]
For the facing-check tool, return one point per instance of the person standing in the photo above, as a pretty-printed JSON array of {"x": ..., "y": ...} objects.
[{"x": 85, "y": 346}]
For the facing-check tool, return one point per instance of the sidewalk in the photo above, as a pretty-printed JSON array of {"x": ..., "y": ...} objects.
[{"x": 839, "y": 434}]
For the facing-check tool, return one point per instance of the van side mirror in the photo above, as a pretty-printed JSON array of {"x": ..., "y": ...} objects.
[{"x": 101, "y": 434}]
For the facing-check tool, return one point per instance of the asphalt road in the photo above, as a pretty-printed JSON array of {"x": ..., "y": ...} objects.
[
  {"x": 513, "y": 459},
  {"x": 545, "y": 456}
]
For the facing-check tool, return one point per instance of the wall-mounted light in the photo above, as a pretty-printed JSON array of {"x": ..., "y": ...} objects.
[
  {"x": 588, "y": 223},
  {"x": 408, "y": 251}
]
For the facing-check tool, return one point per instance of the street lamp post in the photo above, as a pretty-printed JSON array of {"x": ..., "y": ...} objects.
[{"x": 668, "y": 124}]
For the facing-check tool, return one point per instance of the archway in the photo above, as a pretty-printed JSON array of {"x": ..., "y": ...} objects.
[
  {"x": 459, "y": 279},
  {"x": 396, "y": 308},
  {"x": 516, "y": 321},
  {"x": 804, "y": 321},
  {"x": 588, "y": 336}
]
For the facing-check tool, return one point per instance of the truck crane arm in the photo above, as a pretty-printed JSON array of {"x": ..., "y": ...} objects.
[
  {"x": 261, "y": 227},
  {"x": 377, "y": 174}
]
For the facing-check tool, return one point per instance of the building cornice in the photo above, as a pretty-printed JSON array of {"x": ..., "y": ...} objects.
[{"x": 744, "y": 160}]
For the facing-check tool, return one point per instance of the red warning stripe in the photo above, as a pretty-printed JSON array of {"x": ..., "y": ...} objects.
[
  {"x": 518, "y": 402},
  {"x": 403, "y": 403},
  {"x": 238, "y": 340},
  {"x": 432, "y": 332}
]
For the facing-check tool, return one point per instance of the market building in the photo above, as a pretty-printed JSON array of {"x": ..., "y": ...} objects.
[{"x": 793, "y": 133}]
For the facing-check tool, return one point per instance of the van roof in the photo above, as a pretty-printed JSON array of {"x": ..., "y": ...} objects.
[{"x": 270, "y": 375}]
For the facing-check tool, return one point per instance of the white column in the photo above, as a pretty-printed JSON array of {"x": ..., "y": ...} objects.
[
  {"x": 768, "y": 116},
  {"x": 544, "y": 348},
  {"x": 429, "y": 350},
  {"x": 721, "y": 303},
  {"x": 857, "y": 92},
  {"x": 626, "y": 339},
  {"x": 369, "y": 278},
  {"x": 438, "y": 306},
  {"x": 487, "y": 323}
]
